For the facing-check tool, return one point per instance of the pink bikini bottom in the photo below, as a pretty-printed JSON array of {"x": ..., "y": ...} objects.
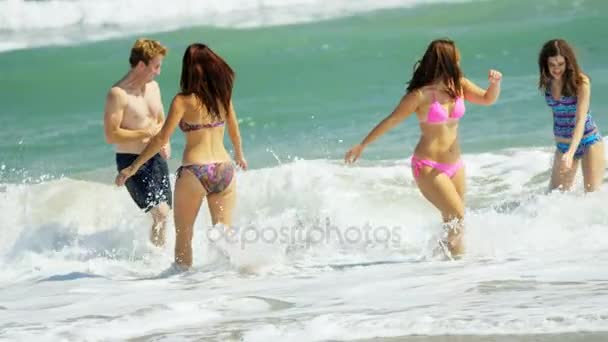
[{"x": 449, "y": 169}]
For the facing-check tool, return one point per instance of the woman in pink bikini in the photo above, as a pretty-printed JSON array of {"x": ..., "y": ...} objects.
[
  {"x": 436, "y": 93},
  {"x": 201, "y": 110}
]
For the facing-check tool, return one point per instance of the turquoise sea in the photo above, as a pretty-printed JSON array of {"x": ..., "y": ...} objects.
[{"x": 313, "y": 77}]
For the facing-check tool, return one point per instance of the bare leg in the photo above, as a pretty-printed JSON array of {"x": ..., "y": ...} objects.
[
  {"x": 159, "y": 218},
  {"x": 189, "y": 195},
  {"x": 594, "y": 166},
  {"x": 221, "y": 205},
  {"x": 443, "y": 193},
  {"x": 456, "y": 234},
  {"x": 561, "y": 178}
]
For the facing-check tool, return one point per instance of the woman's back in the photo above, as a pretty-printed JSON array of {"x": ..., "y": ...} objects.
[{"x": 204, "y": 133}]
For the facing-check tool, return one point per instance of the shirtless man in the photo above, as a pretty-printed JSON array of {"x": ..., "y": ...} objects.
[{"x": 133, "y": 114}]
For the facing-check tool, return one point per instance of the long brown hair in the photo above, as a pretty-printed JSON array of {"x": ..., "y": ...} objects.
[
  {"x": 208, "y": 77},
  {"x": 573, "y": 76},
  {"x": 439, "y": 63}
]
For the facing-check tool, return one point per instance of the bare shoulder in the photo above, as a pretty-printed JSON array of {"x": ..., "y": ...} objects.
[
  {"x": 586, "y": 80},
  {"x": 181, "y": 100},
  {"x": 415, "y": 95},
  {"x": 410, "y": 102},
  {"x": 153, "y": 85},
  {"x": 117, "y": 94},
  {"x": 424, "y": 94},
  {"x": 117, "y": 91}
]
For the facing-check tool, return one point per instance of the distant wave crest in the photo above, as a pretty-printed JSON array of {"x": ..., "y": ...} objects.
[{"x": 25, "y": 24}]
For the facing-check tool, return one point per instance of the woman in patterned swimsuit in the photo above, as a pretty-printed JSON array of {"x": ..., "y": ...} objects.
[
  {"x": 567, "y": 91},
  {"x": 201, "y": 110}
]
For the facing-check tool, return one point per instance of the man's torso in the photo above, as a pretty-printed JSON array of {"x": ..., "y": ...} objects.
[{"x": 142, "y": 111}]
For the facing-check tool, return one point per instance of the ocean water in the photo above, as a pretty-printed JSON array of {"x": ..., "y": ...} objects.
[{"x": 325, "y": 252}]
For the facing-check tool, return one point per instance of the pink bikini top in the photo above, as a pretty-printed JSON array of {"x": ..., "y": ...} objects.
[{"x": 437, "y": 114}]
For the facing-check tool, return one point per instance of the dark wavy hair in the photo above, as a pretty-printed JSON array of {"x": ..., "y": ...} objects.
[
  {"x": 208, "y": 77},
  {"x": 573, "y": 76},
  {"x": 439, "y": 63}
]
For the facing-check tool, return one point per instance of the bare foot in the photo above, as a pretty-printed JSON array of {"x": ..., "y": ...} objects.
[
  {"x": 455, "y": 243},
  {"x": 157, "y": 235}
]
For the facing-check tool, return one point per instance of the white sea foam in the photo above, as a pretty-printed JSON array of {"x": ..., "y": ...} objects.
[
  {"x": 76, "y": 261},
  {"x": 26, "y": 24}
]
